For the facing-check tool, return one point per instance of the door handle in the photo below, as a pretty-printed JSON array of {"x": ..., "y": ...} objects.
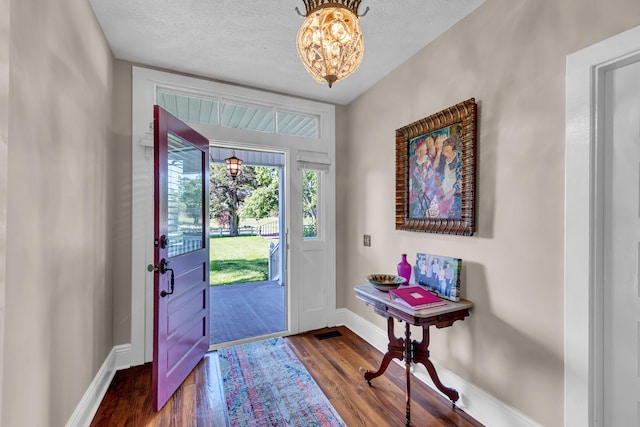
[{"x": 164, "y": 267}]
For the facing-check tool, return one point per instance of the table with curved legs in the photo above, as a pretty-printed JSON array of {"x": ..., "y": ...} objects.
[{"x": 403, "y": 348}]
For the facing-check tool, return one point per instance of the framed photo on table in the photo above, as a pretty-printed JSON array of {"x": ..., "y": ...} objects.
[
  {"x": 435, "y": 172},
  {"x": 439, "y": 274}
]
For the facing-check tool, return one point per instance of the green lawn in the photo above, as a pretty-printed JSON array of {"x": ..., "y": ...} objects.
[{"x": 240, "y": 259}]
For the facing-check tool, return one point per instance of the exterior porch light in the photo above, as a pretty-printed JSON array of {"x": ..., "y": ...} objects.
[{"x": 233, "y": 165}]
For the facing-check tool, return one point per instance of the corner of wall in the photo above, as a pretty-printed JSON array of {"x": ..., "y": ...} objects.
[{"x": 88, "y": 406}]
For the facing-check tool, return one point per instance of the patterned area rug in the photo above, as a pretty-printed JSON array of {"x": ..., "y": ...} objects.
[{"x": 266, "y": 385}]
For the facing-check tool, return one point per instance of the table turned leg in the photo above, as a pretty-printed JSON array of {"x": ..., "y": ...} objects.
[
  {"x": 407, "y": 368},
  {"x": 421, "y": 355},
  {"x": 395, "y": 350}
]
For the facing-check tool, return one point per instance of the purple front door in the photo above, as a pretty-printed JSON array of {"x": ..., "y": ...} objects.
[{"x": 181, "y": 254}]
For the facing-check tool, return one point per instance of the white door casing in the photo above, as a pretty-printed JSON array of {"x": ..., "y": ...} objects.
[
  {"x": 621, "y": 305},
  {"x": 145, "y": 83},
  {"x": 584, "y": 224}
]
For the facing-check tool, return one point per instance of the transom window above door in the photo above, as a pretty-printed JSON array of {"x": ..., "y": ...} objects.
[{"x": 219, "y": 111}]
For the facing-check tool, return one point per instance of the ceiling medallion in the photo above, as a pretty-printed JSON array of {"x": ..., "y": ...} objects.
[{"x": 330, "y": 42}]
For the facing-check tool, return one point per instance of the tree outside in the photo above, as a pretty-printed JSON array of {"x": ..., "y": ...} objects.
[
  {"x": 229, "y": 194},
  {"x": 252, "y": 196},
  {"x": 264, "y": 201},
  {"x": 310, "y": 202},
  {"x": 191, "y": 196}
]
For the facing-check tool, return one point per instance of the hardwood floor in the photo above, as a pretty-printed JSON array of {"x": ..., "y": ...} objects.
[
  {"x": 333, "y": 362},
  {"x": 335, "y": 365},
  {"x": 199, "y": 401}
]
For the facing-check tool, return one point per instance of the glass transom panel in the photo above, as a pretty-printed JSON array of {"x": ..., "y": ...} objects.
[
  {"x": 247, "y": 117},
  {"x": 297, "y": 124},
  {"x": 215, "y": 111},
  {"x": 190, "y": 108}
]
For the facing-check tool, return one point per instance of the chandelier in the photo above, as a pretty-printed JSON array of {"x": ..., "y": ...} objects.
[{"x": 330, "y": 42}]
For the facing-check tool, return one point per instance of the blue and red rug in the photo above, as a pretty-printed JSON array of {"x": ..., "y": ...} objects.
[{"x": 266, "y": 385}]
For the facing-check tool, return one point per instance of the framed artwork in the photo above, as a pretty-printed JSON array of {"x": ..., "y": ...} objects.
[
  {"x": 439, "y": 274},
  {"x": 435, "y": 172}
]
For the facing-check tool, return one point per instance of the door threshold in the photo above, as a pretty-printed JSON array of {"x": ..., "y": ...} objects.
[{"x": 217, "y": 346}]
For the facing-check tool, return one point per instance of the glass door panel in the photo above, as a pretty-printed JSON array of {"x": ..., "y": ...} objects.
[{"x": 185, "y": 223}]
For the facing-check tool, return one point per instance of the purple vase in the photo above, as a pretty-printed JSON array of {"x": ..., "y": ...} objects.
[{"x": 404, "y": 268}]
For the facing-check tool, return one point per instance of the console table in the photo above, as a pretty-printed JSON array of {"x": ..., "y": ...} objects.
[{"x": 405, "y": 348}]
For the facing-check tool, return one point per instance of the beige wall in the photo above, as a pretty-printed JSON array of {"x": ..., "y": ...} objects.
[
  {"x": 121, "y": 208},
  {"x": 60, "y": 173},
  {"x": 510, "y": 56},
  {"x": 4, "y": 148}
]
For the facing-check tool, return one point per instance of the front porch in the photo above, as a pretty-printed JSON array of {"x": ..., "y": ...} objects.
[{"x": 246, "y": 310}]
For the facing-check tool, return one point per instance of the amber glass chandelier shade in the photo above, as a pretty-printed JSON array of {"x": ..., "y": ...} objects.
[{"x": 330, "y": 43}]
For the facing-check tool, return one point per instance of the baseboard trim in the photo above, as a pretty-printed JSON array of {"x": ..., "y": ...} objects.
[
  {"x": 474, "y": 401},
  {"x": 90, "y": 402},
  {"x": 124, "y": 355}
]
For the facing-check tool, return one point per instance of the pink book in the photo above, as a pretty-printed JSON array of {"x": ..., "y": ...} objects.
[{"x": 415, "y": 297}]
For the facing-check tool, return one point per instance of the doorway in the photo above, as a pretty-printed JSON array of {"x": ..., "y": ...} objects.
[
  {"x": 588, "y": 277},
  {"x": 251, "y": 119},
  {"x": 621, "y": 303},
  {"x": 248, "y": 273}
]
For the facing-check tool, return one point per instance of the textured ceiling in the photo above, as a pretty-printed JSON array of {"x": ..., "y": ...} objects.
[{"x": 252, "y": 43}]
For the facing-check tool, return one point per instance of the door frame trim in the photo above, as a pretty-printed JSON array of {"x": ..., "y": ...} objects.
[
  {"x": 583, "y": 264},
  {"x": 144, "y": 83}
]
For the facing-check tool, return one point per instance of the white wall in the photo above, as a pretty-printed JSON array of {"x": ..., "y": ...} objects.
[
  {"x": 58, "y": 315},
  {"x": 510, "y": 56}
]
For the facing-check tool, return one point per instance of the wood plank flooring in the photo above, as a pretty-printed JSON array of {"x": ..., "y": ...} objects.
[
  {"x": 199, "y": 401},
  {"x": 333, "y": 362},
  {"x": 335, "y": 365}
]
